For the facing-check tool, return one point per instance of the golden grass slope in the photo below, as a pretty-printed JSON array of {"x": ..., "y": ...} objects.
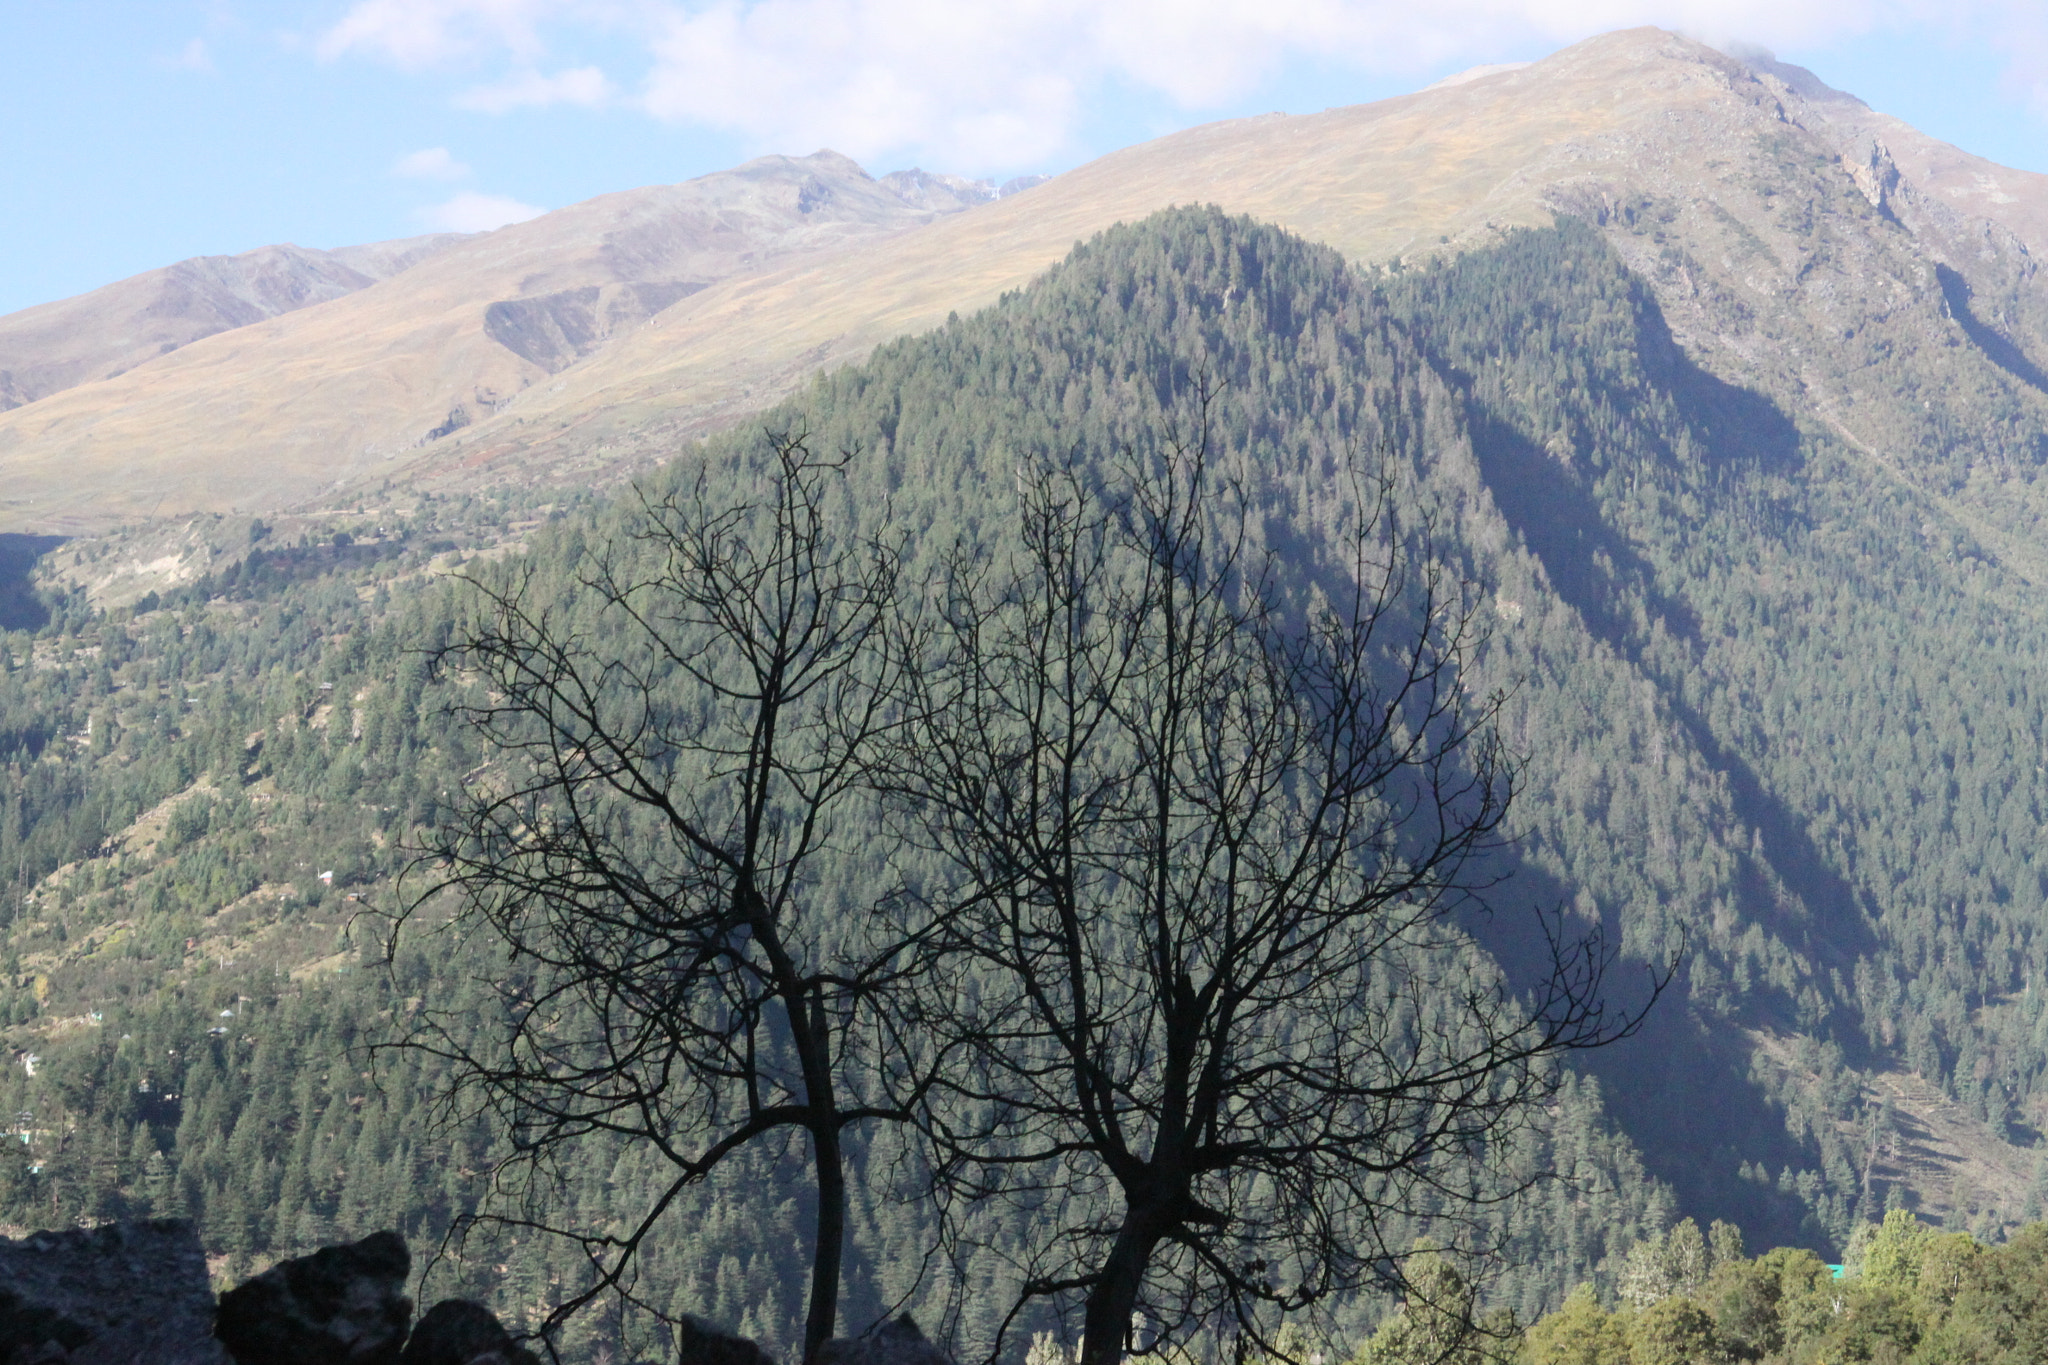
[
  {"x": 277, "y": 412},
  {"x": 310, "y": 406},
  {"x": 1772, "y": 216},
  {"x": 53, "y": 346}
]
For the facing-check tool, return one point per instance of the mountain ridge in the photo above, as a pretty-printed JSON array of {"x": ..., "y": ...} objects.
[
  {"x": 108, "y": 331},
  {"x": 388, "y": 366},
  {"x": 1681, "y": 154}
]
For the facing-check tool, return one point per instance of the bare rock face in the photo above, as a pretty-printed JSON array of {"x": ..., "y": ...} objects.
[
  {"x": 463, "y": 1332},
  {"x": 342, "y": 1305},
  {"x": 123, "y": 1294},
  {"x": 896, "y": 1342}
]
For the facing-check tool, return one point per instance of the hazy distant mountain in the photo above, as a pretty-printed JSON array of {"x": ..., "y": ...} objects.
[
  {"x": 262, "y": 416},
  {"x": 115, "y": 328},
  {"x": 927, "y": 189}
]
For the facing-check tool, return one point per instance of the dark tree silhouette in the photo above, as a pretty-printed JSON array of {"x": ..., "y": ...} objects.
[
  {"x": 677, "y": 737},
  {"x": 1210, "y": 820}
]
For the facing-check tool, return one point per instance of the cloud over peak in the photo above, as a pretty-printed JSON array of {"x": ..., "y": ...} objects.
[
  {"x": 584, "y": 86},
  {"x": 994, "y": 86},
  {"x": 471, "y": 212},
  {"x": 416, "y": 34},
  {"x": 429, "y": 163}
]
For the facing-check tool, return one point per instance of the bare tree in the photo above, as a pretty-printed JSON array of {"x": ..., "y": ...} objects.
[
  {"x": 1209, "y": 826},
  {"x": 680, "y": 738}
]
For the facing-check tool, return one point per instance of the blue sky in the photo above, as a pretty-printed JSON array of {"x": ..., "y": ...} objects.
[{"x": 139, "y": 132}]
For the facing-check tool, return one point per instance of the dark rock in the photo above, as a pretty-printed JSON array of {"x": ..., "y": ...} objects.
[
  {"x": 463, "y": 1332},
  {"x": 895, "y": 1342},
  {"x": 32, "y": 1332},
  {"x": 120, "y": 1294},
  {"x": 343, "y": 1305},
  {"x": 700, "y": 1344}
]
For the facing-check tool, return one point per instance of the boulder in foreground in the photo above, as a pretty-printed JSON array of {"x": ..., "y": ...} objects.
[
  {"x": 463, "y": 1332},
  {"x": 342, "y": 1305}
]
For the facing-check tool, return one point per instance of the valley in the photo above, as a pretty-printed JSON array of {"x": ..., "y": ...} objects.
[{"x": 1722, "y": 393}]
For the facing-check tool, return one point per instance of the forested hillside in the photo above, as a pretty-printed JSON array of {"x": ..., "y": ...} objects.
[
  {"x": 1904, "y": 1292},
  {"x": 1770, "y": 707}
]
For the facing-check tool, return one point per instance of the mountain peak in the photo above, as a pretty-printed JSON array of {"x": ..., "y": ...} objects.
[{"x": 1686, "y": 156}]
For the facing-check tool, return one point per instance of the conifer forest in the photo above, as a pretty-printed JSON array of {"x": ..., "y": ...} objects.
[{"x": 1229, "y": 805}]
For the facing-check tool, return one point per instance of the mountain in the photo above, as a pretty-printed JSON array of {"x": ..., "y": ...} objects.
[
  {"x": 112, "y": 330},
  {"x": 1721, "y": 388},
  {"x": 1797, "y": 240},
  {"x": 268, "y": 415},
  {"x": 1773, "y": 709},
  {"x": 202, "y": 796}
]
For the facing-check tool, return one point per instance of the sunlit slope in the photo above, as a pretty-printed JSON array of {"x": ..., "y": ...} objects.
[
  {"x": 1372, "y": 180},
  {"x": 131, "y": 322},
  {"x": 1870, "y": 278},
  {"x": 280, "y": 411},
  {"x": 1797, "y": 241}
]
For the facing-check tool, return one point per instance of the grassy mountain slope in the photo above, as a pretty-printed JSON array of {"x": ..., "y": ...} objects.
[
  {"x": 1865, "y": 277},
  {"x": 274, "y": 414},
  {"x": 113, "y": 329}
]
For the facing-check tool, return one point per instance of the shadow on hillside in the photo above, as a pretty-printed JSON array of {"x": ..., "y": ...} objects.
[
  {"x": 1680, "y": 1087},
  {"x": 21, "y": 608},
  {"x": 1955, "y": 290},
  {"x": 1592, "y": 566},
  {"x": 1595, "y": 569},
  {"x": 269, "y": 569}
]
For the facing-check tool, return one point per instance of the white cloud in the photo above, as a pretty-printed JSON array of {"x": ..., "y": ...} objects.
[
  {"x": 416, "y": 34},
  {"x": 430, "y": 163},
  {"x": 996, "y": 85},
  {"x": 586, "y": 86},
  {"x": 974, "y": 85},
  {"x": 472, "y": 212},
  {"x": 986, "y": 85},
  {"x": 194, "y": 56}
]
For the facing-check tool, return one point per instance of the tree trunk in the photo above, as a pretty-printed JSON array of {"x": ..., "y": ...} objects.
[
  {"x": 813, "y": 1035},
  {"x": 1107, "y": 1324},
  {"x": 829, "y": 1249}
]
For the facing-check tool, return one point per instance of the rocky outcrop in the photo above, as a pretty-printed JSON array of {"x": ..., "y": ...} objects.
[
  {"x": 895, "y": 1342},
  {"x": 698, "y": 1343},
  {"x": 554, "y": 331},
  {"x": 31, "y": 1332},
  {"x": 343, "y": 1305},
  {"x": 123, "y": 1294},
  {"x": 137, "y": 1294},
  {"x": 463, "y": 1332}
]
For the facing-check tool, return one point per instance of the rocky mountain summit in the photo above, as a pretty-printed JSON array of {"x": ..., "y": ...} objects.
[{"x": 113, "y": 329}]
